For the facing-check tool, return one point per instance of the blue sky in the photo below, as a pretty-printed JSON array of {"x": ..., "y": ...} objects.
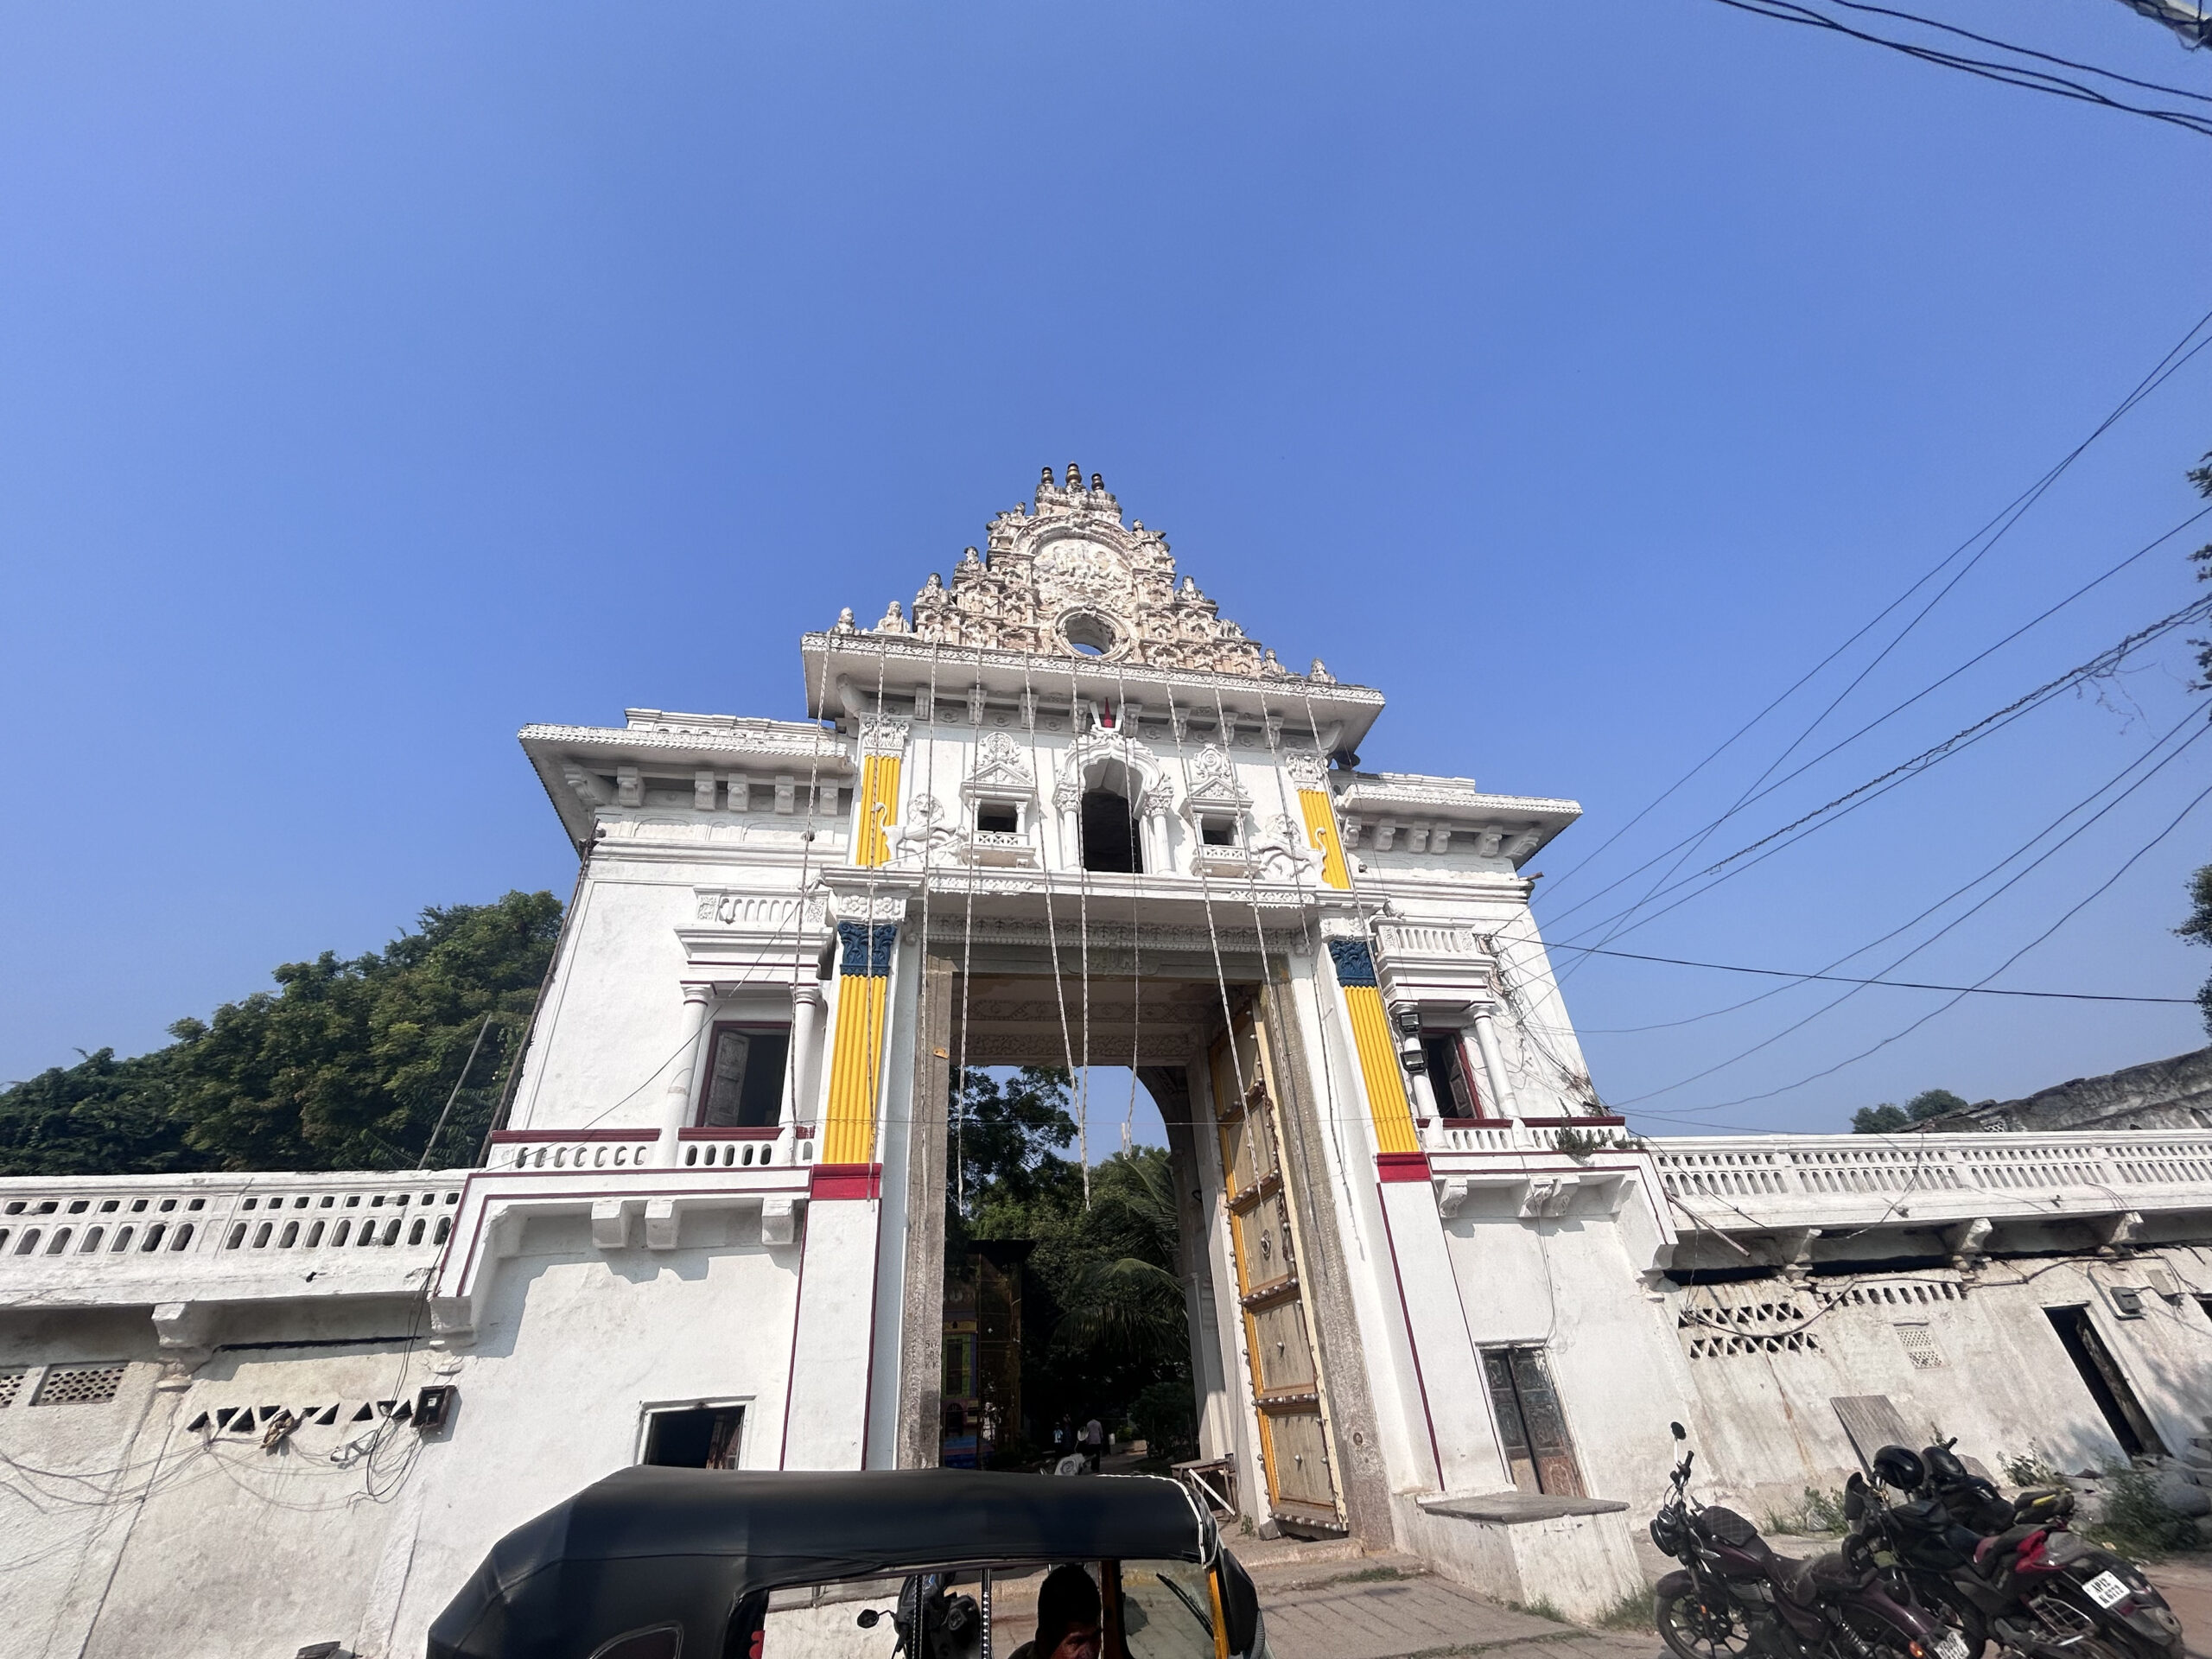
[{"x": 376, "y": 380}]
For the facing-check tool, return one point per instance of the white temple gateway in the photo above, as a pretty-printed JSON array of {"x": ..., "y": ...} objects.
[{"x": 1066, "y": 814}]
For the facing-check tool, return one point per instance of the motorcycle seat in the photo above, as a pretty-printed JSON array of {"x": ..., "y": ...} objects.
[{"x": 1806, "y": 1582}]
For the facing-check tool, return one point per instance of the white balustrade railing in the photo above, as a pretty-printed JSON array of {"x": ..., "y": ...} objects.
[
  {"x": 131, "y": 1224},
  {"x": 1396, "y": 939},
  {"x": 1957, "y": 1172},
  {"x": 536, "y": 1149},
  {"x": 787, "y": 1148},
  {"x": 598, "y": 1151},
  {"x": 1447, "y": 1134}
]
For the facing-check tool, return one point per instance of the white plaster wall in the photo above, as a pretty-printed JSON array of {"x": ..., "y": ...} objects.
[
  {"x": 616, "y": 1012},
  {"x": 217, "y": 1549},
  {"x": 2006, "y": 1386},
  {"x": 575, "y": 1343},
  {"x": 1568, "y": 1285},
  {"x": 1401, "y": 1419}
]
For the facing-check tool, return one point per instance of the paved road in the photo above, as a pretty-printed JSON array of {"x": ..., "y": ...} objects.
[{"x": 1425, "y": 1615}]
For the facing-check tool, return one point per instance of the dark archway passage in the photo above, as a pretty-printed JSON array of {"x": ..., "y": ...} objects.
[{"x": 1110, "y": 841}]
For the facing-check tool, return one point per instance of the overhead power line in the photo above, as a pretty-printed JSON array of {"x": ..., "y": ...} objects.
[
  {"x": 1831, "y": 811},
  {"x": 1959, "y": 892},
  {"x": 1845, "y": 979},
  {"x": 2163, "y": 369},
  {"x": 1983, "y": 903},
  {"x": 2009, "y": 74},
  {"x": 1897, "y": 1036}
]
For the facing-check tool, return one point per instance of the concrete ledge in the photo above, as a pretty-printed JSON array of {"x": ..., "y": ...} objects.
[
  {"x": 1511, "y": 1508},
  {"x": 1576, "y": 1554}
]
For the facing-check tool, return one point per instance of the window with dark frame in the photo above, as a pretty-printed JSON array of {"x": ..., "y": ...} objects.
[
  {"x": 1217, "y": 832},
  {"x": 1449, "y": 1079},
  {"x": 744, "y": 1084},
  {"x": 997, "y": 818},
  {"x": 696, "y": 1437}
]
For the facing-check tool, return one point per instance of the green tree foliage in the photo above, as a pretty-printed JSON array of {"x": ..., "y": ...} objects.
[
  {"x": 1886, "y": 1119},
  {"x": 345, "y": 1066},
  {"x": 1105, "y": 1328},
  {"x": 2199, "y": 927}
]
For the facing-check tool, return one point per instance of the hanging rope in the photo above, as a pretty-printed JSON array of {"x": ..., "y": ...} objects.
[{"x": 1052, "y": 926}]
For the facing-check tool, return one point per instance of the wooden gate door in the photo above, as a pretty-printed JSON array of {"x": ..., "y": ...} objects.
[{"x": 1285, "y": 1383}]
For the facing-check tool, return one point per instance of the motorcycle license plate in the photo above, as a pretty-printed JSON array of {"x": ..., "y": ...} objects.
[
  {"x": 2107, "y": 1590},
  {"x": 1953, "y": 1646}
]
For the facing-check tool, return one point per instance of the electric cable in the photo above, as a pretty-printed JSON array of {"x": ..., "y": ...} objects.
[
  {"x": 2097, "y": 893},
  {"x": 1756, "y": 793},
  {"x": 2158, "y": 373},
  {"x": 1898, "y": 984},
  {"x": 2038, "y": 80}
]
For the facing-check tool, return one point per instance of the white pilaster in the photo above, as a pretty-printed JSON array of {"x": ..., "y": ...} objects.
[
  {"x": 806, "y": 1027},
  {"x": 1501, "y": 1091},
  {"x": 675, "y": 1104}
]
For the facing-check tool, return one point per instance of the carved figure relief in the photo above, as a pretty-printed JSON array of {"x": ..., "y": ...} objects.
[
  {"x": 1281, "y": 851},
  {"x": 924, "y": 836}
]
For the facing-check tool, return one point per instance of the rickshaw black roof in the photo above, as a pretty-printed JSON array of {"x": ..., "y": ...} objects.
[{"x": 651, "y": 1545}]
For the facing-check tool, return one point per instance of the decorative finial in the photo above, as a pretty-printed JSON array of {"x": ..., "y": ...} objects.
[
  {"x": 1075, "y": 476},
  {"x": 1321, "y": 674},
  {"x": 845, "y": 620},
  {"x": 970, "y": 557},
  {"x": 1044, "y": 482},
  {"x": 1097, "y": 484}
]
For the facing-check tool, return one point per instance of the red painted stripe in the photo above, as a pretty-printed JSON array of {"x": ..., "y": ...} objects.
[
  {"x": 847, "y": 1181},
  {"x": 507, "y": 1137},
  {"x": 1574, "y": 1123},
  {"x": 1400, "y": 1165},
  {"x": 767, "y": 1134}
]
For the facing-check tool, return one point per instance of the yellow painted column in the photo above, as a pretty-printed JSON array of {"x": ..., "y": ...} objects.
[
  {"x": 1392, "y": 1112},
  {"x": 857, "y": 1041},
  {"x": 1321, "y": 827},
  {"x": 879, "y": 806}
]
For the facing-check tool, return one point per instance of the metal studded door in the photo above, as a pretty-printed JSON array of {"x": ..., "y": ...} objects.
[{"x": 1286, "y": 1386}]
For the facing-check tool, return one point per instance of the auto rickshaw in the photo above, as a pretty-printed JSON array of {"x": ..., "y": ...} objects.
[{"x": 660, "y": 1563}]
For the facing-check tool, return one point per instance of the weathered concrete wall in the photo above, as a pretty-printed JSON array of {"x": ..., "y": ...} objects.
[{"x": 2171, "y": 1094}]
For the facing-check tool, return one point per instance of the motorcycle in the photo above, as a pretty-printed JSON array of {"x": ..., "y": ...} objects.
[
  {"x": 1735, "y": 1597},
  {"x": 2009, "y": 1570}
]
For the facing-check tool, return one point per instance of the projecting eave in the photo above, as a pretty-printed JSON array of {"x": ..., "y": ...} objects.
[
  {"x": 1523, "y": 823},
  {"x": 845, "y": 673},
  {"x": 580, "y": 765}
]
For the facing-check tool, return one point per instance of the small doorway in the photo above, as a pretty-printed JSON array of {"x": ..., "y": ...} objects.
[
  {"x": 1109, "y": 833},
  {"x": 2107, "y": 1384},
  {"x": 1531, "y": 1428},
  {"x": 693, "y": 1437}
]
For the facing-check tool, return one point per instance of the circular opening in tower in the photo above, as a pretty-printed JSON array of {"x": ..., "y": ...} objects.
[{"x": 1091, "y": 634}]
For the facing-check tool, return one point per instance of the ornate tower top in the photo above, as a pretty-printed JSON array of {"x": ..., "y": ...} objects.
[{"x": 1067, "y": 578}]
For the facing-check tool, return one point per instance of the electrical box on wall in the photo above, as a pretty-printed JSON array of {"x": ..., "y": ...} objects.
[{"x": 433, "y": 1405}]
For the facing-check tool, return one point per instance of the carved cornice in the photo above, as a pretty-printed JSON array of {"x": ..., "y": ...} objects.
[
  {"x": 885, "y": 734},
  {"x": 1456, "y": 799},
  {"x": 802, "y": 747}
]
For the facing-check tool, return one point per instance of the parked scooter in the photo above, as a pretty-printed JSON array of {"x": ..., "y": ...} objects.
[
  {"x": 2010, "y": 1571},
  {"x": 1735, "y": 1597}
]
